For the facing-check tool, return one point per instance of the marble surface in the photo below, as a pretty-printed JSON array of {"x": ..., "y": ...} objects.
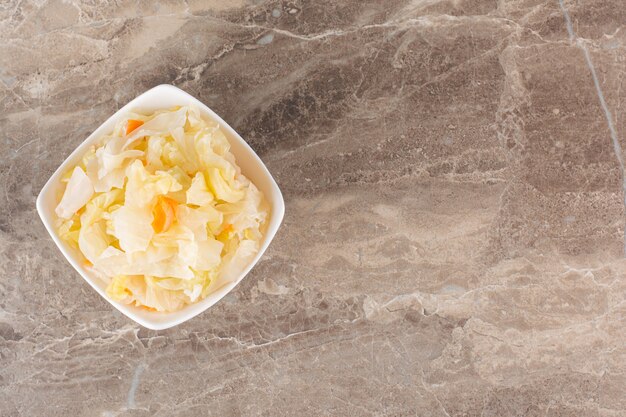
[{"x": 454, "y": 236}]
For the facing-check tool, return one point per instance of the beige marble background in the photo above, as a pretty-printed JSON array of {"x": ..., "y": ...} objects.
[{"x": 454, "y": 237}]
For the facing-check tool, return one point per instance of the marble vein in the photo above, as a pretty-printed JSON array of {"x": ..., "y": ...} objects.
[{"x": 609, "y": 117}]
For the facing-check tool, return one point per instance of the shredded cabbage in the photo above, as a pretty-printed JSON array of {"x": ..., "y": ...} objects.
[
  {"x": 78, "y": 191},
  {"x": 161, "y": 210}
]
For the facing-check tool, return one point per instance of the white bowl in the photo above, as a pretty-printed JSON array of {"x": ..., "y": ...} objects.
[{"x": 163, "y": 96}]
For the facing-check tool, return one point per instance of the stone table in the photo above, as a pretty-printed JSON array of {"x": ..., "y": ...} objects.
[{"x": 454, "y": 235}]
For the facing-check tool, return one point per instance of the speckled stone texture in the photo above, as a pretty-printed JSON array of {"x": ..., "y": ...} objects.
[{"x": 453, "y": 242}]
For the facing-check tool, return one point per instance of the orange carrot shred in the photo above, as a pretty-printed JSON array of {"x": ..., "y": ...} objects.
[
  {"x": 164, "y": 213},
  {"x": 132, "y": 124}
]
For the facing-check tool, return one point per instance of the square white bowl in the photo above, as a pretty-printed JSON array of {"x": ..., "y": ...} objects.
[{"x": 163, "y": 96}]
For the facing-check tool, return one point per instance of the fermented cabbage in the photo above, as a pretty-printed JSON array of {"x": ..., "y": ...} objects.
[{"x": 161, "y": 211}]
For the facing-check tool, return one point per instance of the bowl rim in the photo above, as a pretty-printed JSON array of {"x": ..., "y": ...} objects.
[{"x": 276, "y": 201}]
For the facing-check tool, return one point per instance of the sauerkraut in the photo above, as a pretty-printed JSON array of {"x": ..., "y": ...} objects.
[{"x": 161, "y": 211}]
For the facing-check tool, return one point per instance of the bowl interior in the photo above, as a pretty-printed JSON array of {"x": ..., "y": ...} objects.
[{"x": 164, "y": 96}]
